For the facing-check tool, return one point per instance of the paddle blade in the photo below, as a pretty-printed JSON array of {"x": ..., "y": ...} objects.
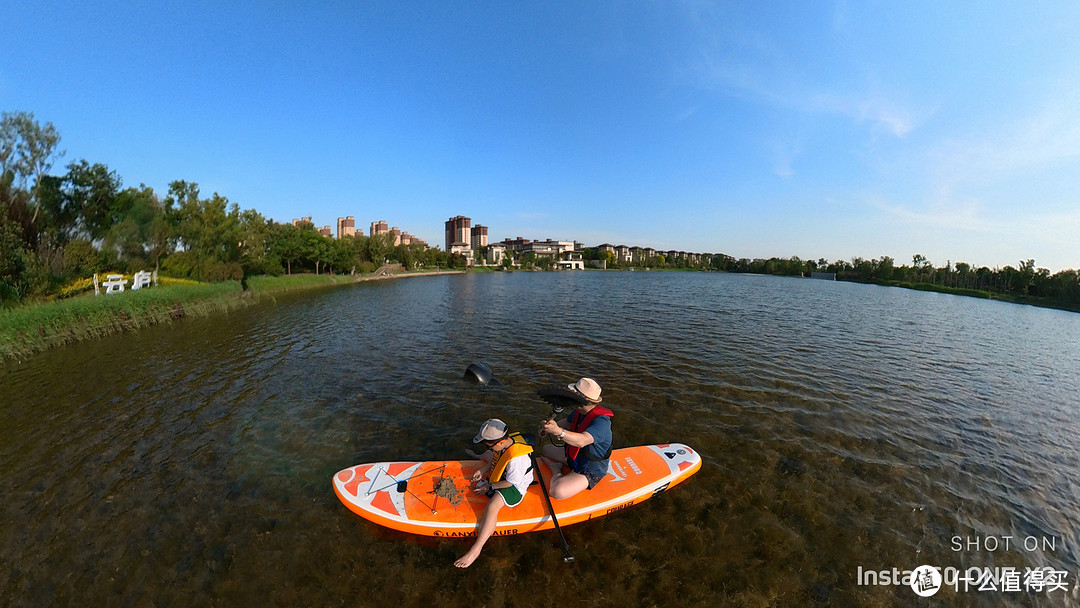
[
  {"x": 560, "y": 397},
  {"x": 480, "y": 373}
]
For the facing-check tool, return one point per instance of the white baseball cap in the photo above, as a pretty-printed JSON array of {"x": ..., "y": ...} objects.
[{"x": 492, "y": 430}]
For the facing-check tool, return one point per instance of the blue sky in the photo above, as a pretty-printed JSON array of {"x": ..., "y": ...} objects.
[{"x": 756, "y": 129}]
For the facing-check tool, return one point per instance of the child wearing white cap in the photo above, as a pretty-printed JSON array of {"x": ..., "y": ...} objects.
[{"x": 504, "y": 478}]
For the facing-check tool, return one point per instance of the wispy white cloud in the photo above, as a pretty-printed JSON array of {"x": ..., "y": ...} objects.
[
  {"x": 784, "y": 155},
  {"x": 734, "y": 58},
  {"x": 686, "y": 113},
  {"x": 1048, "y": 137},
  {"x": 965, "y": 215},
  {"x": 884, "y": 113},
  {"x": 1002, "y": 193}
]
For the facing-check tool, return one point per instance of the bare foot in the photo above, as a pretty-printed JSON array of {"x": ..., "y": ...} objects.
[{"x": 466, "y": 560}]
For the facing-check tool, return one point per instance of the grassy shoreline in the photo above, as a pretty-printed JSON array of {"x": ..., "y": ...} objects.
[
  {"x": 30, "y": 329},
  {"x": 27, "y": 330},
  {"x": 985, "y": 295}
]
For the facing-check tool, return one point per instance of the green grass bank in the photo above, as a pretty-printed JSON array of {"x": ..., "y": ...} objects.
[
  {"x": 32, "y": 328},
  {"x": 987, "y": 295}
]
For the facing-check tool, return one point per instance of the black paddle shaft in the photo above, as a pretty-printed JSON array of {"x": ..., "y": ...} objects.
[
  {"x": 559, "y": 398},
  {"x": 567, "y": 557}
]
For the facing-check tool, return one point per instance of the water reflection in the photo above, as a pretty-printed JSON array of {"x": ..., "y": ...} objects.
[{"x": 842, "y": 426}]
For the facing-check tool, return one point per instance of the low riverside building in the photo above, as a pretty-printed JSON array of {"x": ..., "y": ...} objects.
[
  {"x": 496, "y": 254},
  {"x": 517, "y": 245},
  {"x": 572, "y": 261}
]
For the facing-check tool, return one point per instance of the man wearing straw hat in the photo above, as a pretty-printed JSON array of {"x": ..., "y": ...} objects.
[{"x": 587, "y": 435}]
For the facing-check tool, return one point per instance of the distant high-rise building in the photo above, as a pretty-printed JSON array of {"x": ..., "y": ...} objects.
[
  {"x": 303, "y": 220},
  {"x": 378, "y": 228},
  {"x": 408, "y": 239},
  {"x": 346, "y": 226},
  {"x": 457, "y": 232},
  {"x": 479, "y": 236},
  {"x": 326, "y": 231}
]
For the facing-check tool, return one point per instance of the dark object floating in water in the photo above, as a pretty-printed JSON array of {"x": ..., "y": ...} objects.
[
  {"x": 560, "y": 397},
  {"x": 480, "y": 373}
]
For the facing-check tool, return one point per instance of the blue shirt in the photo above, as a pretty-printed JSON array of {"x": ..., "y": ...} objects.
[{"x": 600, "y": 429}]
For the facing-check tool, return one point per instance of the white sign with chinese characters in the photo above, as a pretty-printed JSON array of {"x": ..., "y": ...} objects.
[{"x": 115, "y": 283}]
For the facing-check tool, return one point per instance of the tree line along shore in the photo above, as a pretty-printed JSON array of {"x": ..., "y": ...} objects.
[{"x": 58, "y": 230}]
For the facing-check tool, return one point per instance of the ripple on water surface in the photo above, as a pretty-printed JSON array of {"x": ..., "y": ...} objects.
[{"x": 842, "y": 426}]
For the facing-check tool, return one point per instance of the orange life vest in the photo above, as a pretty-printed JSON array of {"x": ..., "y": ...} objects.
[{"x": 518, "y": 448}]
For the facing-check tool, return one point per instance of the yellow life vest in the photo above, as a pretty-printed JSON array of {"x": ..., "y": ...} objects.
[{"x": 518, "y": 448}]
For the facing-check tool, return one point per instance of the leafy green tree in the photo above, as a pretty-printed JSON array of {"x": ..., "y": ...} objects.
[
  {"x": 358, "y": 245},
  {"x": 885, "y": 269},
  {"x": 1025, "y": 276},
  {"x": 256, "y": 255},
  {"x": 134, "y": 236},
  {"x": 27, "y": 150},
  {"x": 54, "y": 225},
  {"x": 287, "y": 244},
  {"x": 209, "y": 232},
  {"x": 81, "y": 259},
  {"x": 12, "y": 254},
  {"x": 339, "y": 255},
  {"x": 964, "y": 274},
  {"x": 456, "y": 260},
  {"x": 91, "y": 192},
  {"x": 379, "y": 248},
  {"x": 314, "y": 247}
]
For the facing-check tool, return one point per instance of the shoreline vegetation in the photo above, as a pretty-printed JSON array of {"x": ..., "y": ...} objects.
[
  {"x": 33, "y": 328},
  {"x": 57, "y": 230},
  {"x": 36, "y": 327}
]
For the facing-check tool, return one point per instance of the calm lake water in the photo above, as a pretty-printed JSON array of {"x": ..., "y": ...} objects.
[{"x": 842, "y": 426}]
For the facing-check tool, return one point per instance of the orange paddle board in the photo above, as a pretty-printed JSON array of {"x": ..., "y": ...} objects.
[{"x": 433, "y": 498}]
